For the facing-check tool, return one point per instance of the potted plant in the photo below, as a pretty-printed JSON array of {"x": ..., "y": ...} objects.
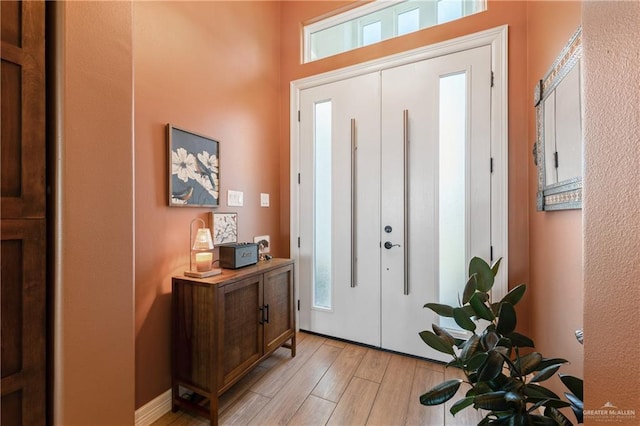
[{"x": 504, "y": 379}]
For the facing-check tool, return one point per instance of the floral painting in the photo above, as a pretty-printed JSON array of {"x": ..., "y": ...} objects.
[{"x": 195, "y": 169}]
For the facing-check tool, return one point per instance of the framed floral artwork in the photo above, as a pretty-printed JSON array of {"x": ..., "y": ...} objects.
[
  {"x": 225, "y": 228},
  {"x": 194, "y": 169}
]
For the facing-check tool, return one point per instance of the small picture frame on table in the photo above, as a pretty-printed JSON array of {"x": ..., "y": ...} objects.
[{"x": 225, "y": 228}]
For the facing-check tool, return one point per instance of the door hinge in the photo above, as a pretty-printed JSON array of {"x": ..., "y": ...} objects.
[
  {"x": 298, "y": 116},
  {"x": 298, "y": 178},
  {"x": 555, "y": 159},
  {"x": 491, "y": 253},
  {"x": 298, "y": 304},
  {"x": 492, "y": 77},
  {"x": 491, "y": 165},
  {"x": 298, "y": 242}
]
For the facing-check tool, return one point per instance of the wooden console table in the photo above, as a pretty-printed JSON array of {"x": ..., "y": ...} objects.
[{"x": 223, "y": 326}]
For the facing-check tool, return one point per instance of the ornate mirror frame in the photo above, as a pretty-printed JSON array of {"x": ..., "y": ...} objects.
[{"x": 566, "y": 193}]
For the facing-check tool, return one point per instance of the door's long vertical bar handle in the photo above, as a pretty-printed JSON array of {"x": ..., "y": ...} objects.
[
  {"x": 405, "y": 137},
  {"x": 354, "y": 205}
]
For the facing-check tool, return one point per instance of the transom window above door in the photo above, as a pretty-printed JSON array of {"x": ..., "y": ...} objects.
[{"x": 380, "y": 20}]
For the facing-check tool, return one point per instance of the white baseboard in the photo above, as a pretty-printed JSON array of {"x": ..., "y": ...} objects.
[{"x": 154, "y": 409}]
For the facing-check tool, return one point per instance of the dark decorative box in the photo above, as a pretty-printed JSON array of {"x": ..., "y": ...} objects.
[{"x": 237, "y": 255}]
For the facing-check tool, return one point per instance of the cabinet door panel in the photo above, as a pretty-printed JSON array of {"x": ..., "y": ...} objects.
[
  {"x": 240, "y": 332},
  {"x": 278, "y": 296}
]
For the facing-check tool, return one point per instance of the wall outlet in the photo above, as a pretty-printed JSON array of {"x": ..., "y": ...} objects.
[
  {"x": 235, "y": 198},
  {"x": 264, "y": 200}
]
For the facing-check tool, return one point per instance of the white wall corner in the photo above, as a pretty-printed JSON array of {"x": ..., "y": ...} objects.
[{"x": 154, "y": 409}]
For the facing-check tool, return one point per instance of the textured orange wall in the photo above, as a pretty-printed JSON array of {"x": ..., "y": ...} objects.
[
  {"x": 213, "y": 68},
  {"x": 612, "y": 208},
  {"x": 295, "y": 14},
  {"x": 556, "y": 285},
  {"x": 94, "y": 341}
]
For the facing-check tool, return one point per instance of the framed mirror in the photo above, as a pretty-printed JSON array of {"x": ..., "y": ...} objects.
[{"x": 558, "y": 148}]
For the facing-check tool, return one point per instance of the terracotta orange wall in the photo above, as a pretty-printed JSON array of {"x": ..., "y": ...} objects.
[
  {"x": 295, "y": 14},
  {"x": 94, "y": 244},
  {"x": 213, "y": 68},
  {"x": 611, "y": 34},
  {"x": 556, "y": 284}
]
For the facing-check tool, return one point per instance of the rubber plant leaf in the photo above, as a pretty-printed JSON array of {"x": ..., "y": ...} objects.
[
  {"x": 528, "y": 363},
  {"x": 480, "y": 309},
  {"x": 441, "y": 393},
  {"x": 463, "y": 320},
  {"x": 495, "y": 267},
  {"x": 443, "y": 334},
  {"x": 552, "y": 361},
  {"x": 492, "y": 367},
  {"x": 574, "y": 384},
  {"x": 520, "y": 340},
  {"x": 483, "y": 272},
  {"x": 506, "y": 319},
  {"x": 461, "y": 405},
  {"x": 515, "y": 294},
  {"x": 440, "y": 309},
  {"x": 556, "y": 415},
  {"x": 469, "y": 289},
  {"x": 436, "y": 342},
  {"x": 493, "y": 401},
  {"x": 470, "y": 347},
  {"x": 545, "y": 373}
]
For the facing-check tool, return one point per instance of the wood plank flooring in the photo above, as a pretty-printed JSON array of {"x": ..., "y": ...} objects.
[{"x": 330, "y": 382}]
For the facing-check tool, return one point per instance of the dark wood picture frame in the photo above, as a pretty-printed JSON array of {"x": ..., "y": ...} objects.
[{"x": 193, "y": 169}]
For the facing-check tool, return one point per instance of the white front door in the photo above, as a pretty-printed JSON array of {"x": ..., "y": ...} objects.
[
  {"x": 339, "y": 259},
  {"x": 394, "y": 197}
]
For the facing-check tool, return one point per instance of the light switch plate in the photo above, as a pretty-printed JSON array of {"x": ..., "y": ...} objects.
[
  {"x": 235, "y": 198},
  {"x": 264, "y": 200}
]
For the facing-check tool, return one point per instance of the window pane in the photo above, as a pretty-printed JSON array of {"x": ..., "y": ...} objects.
[
  {"x": 452, "y": 190},
  {"x": 372, "y": 33},
  {"x": 322, "y": 206},
  {"x": 380, "y": 20},
  {"x": 448, "y": 10},
  {"x": 409, "y": 21}
]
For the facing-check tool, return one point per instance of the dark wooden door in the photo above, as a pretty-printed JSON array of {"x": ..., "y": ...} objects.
[
  {"x": 23, "y": 213},
  {"x": 278, "y": 299},
  {"x": 240, "y": 330}
]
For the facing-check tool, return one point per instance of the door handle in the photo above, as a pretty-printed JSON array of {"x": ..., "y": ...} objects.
[{"x": 389, "y": 245}]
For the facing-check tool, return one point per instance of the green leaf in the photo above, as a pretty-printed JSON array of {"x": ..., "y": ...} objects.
[
  {"x": 495, "y": 267},
  {"x": 470, "y": 347},
  {"x": 441, "y": 393},
  {"x": 492, "y": 367},
  {"x": 443, "y": 334},
  {"x": 556, "y": 415},
  {"x": 574, "y": 400},
  {"x": 442, "y": 310},
  {"x": 463, "y": 320},
  {"x": 436, "y": 342},
  {"x": 484, "y": 274},
  {"x": 469, "y": 289},
  {"x": 520, "y": 340},
  {"x": 489, "y": 340},
  {"x": 476, "y": 361},
  {"x": 534, "y": 391},
  {"x": 506, "y": 319},
  {"x": 480, "y": 308},
  {"x": 574, "y": 384},
  {"x": 551, "y": 361},
  {"x": 545, "y": 373},
  {"x": 528, "y": 363},
  {"x": 515, "y": 294},
  {"x": 493, "y": 401},
  {"x": 461, "y": 405}
]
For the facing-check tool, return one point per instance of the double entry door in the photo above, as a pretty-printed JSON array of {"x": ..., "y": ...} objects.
[{"x": 394, "y": 196}]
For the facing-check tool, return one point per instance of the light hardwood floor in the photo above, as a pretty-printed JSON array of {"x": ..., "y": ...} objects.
[{"x": 334, "y": 383}]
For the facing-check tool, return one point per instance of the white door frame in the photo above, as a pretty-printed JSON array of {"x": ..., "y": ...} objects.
[{"x": 497, "y": 39}]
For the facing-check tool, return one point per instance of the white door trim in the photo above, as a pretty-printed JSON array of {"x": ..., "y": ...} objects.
[{"x": 497, "y": 39}]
